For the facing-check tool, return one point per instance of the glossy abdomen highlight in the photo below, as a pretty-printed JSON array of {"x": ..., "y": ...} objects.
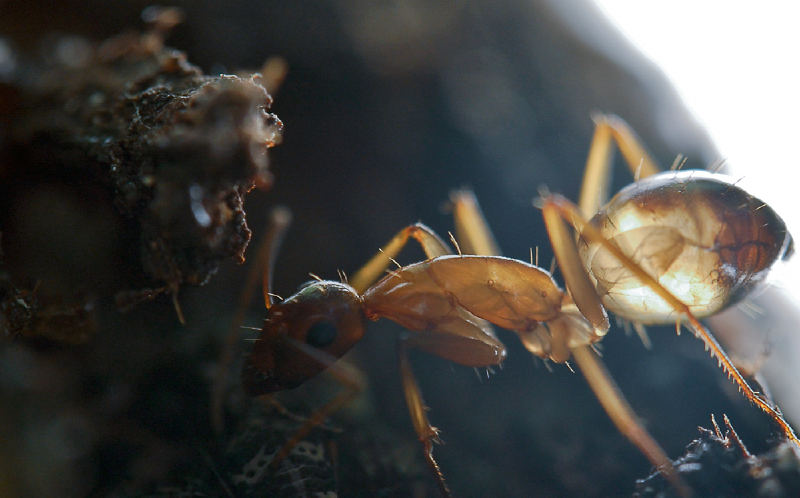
[{"x": 705, "y": 239}]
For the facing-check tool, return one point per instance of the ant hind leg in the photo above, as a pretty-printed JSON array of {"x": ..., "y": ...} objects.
[
  {"x": 563, "y": 208},
  {"x": 611, "y": 129},
  {"x": 588, "y": 302}
]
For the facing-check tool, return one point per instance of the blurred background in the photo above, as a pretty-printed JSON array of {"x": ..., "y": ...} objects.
[{"x": 387, "y": 107}]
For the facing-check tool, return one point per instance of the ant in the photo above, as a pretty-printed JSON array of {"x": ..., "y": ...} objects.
[{"x": 672, "y": 247}]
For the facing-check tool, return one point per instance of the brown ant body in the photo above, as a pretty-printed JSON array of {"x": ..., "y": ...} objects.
[{"x": 669, "y": 248}]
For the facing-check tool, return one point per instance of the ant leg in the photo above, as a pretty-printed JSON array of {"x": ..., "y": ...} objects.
[
  {"x": 575, "y": 276},
  {"x": 623, "y": 416},
  {"x": 568, "y": 211},
  {"x": 472, "y": 230},
  {"x": 276, "y": 227},
  {"x": 271, "y": 400},
  {"x": 374, "y": 268},
  {"x": 597, "y": 174},
  {"x": 352, "y": 380},
  {"x": 599, "y": 379},
  {"x": 417, "y": 409}
]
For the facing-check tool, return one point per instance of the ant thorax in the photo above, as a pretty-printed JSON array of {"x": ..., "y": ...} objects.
[{"x": 702, "y": 237}]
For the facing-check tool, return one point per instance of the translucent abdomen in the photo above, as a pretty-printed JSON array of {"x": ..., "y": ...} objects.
[{"x": 705, "y": 239}]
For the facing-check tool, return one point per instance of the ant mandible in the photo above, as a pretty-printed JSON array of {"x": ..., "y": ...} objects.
[{"x": 670, "y": 248}]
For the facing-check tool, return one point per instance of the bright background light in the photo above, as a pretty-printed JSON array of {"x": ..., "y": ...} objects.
[{"x": 735, "y": 64}]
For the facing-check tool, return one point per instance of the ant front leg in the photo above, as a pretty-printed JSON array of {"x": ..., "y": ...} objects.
[
  {"x": 350, "y": 378},
  {"x": 278, "y": 223},
  {"x": 301, "y": 336}
]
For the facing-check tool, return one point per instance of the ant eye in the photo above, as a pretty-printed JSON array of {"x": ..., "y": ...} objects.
[{"x": 321, "y": 335}]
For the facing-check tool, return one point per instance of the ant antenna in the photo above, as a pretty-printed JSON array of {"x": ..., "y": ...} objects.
[{"x": 279, "y": 221}]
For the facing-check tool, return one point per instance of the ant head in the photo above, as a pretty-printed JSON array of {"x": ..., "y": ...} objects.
[{"x": 303, "y": 335}]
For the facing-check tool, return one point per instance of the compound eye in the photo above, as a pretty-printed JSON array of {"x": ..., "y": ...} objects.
[{"x": 321, "y": 335}]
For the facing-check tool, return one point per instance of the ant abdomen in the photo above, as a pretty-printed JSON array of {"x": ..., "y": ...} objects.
[{"x": 701, "y": 236}]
